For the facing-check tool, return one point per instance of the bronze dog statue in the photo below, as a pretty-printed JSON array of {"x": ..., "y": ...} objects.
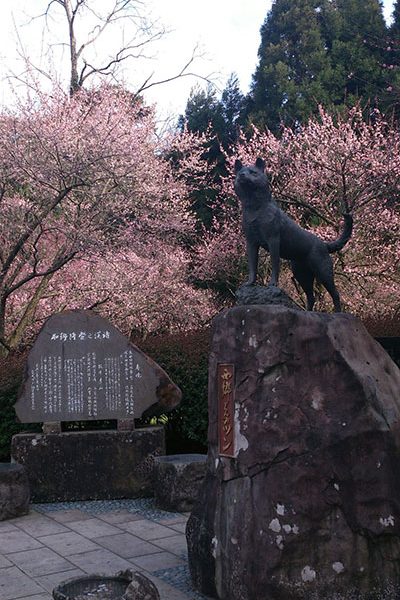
[{"x": 265, "y": 225}]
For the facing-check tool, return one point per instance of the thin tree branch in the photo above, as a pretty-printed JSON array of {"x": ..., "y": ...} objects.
[
  {"x": 29, "y": 312},
  {"x": 344, "y": 185},
  {"x": 287, "y": 199},
  {"x": 4, "y": 344},
  {"x": 119, "y": 58},
  {"x": 99, "y": 303},
  {"x": 56, "y": 266},
  {"x": 36, "y": 221},
  {"x": 182, "y": 73}
]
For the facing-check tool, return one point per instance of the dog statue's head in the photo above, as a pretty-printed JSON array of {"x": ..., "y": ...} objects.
[{"x": 251, "y": 179}]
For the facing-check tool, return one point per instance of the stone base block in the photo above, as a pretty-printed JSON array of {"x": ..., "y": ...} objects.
[
  {"x": 89, "y": 465},
  {"x": 177, "y": 480},
  {"x": 14, "y": 491}
]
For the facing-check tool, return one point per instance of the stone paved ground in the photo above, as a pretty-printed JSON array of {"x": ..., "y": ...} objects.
[{"x": 57, "y": 542}]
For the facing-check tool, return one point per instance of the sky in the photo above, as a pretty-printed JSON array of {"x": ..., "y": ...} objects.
[{"x": 223, "y": 33}]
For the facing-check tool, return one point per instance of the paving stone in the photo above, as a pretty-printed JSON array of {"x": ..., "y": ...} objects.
[
  {"x": 49, "y": 582},
  {"x": 42, "y": 561},
  {"x": 155, "y": 562},
  {"x": 7, "y": 526},
  {"x": 68, "y": 543},
  {"x": 43, "y": 596},
  {"x": 101, "y": 562},
  {"x": 175, "y": 544},
  {"x": 93, "y": 528},
  {"x": 15, "y": 584},
  {"x": 107, "y": 543},
  {"x": 40, "y": 525},
  {"x": 171, "y": 519},
  {"x": 4, "y": 562},
  {"x": 127, "y": 545},
  {"x": 32, "y": 514},
  {"x": 16, "y": 541},
  {"x": 147, "y": 530},
  {"x": 166, "y": 591},
  {"x": 181, "y": 527},
  {"x": 119, "y": 516},
  {"x": 67, "y": 516}
]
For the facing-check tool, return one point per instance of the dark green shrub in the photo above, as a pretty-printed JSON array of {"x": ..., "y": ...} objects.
[
  {"x": 184, "y": 357},
  {"x": 11, "y": 372}
]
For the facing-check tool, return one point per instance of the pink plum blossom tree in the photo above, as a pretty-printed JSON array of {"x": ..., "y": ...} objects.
[
  {"x": 91, "y": 213},
  {"x": 95, "y": 212}
]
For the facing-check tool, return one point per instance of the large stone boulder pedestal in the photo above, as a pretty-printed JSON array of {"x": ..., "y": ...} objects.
[{"x": 305, "y": 503}]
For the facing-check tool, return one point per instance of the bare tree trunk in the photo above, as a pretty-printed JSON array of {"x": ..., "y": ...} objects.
[
  {"x": 143, "y": 34},
  {"x": 74, "y": 80},
  {"x": 4, "y": 347},
  {"x": 29, "y": 313}
]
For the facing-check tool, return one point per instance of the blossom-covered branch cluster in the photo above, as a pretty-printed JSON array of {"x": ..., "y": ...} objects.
[{"x": 91, "y": 203}]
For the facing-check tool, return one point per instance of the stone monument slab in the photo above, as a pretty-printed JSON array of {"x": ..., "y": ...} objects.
[{"x": 82, "y": 368}]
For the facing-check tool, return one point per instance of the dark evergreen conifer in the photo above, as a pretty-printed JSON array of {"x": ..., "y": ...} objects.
[
  {"x": 202, "y": 110},
  {"x": 392, "y": 64},
  {"x": 289, "y": 81},
  {"x": 357, "y": 53},
  {"x": 206, "y": 112},
  {"x": 315, "y": 52},
  {"x": 395, "y": 26},
  {"x": 232, "y": 105},
  {"x": 203, "y": 113}
]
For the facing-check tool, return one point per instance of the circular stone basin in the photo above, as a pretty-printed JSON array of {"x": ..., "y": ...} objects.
[
  {"x": 92, "y": 587},
  {"x": 181, "y": 458}
]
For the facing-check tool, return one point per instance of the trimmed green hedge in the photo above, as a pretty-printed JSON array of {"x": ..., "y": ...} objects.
[
  {"x": 11, "y": 372},
  {"x": 185, "y": 358}
]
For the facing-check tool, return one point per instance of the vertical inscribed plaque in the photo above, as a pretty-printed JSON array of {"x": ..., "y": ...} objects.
[{"x": 226, "y": 409}]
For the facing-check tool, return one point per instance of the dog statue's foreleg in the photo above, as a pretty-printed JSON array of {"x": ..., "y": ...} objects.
[
  {"x": 273, "y": 246},
  {"x": 252, "y": 258}
]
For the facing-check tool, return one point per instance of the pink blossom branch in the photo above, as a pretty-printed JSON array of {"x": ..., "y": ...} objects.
[
  {"x": 56, "y": 266},
  {"x": 36, "y": 221}
]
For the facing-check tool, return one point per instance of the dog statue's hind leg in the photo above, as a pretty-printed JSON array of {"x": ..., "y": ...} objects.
[
  {"x": 323, "y": 269},
  {"x": 305, "y": 278}
]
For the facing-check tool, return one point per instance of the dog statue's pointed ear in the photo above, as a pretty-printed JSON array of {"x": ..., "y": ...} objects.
[
  {"x": 238, "y": 165},
  {"x": 260, "y": 164}
]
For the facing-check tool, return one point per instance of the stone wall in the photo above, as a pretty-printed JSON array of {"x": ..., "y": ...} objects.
[{"x": 89, "y": 465}]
